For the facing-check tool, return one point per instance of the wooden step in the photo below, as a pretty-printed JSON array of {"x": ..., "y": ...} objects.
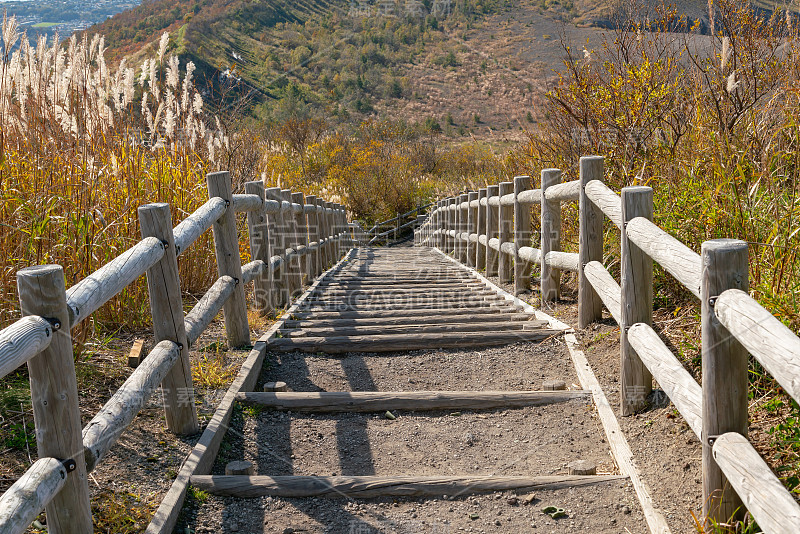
[
  {"x": 399, "y": 342},
  {"x": 382, "y": 486},
  {"x": 467, "y": 301},
  {"x": 491, "y": 310},
  {"x": 380, "y": 401},
  {"x": 410, "y": 329},
  {"x": 412, "y": 320}
]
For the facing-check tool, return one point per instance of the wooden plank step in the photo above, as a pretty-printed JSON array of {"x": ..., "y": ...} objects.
[
  {"x": 383, "y": 486},
  {"x": 452, "y": 305},
  {"x": 402, "y": 301},
  {"x": 399, "y": 320},
  {"x": 383, "y": 292},
  {"x": 399, "y": 342},
  {"x": 410, "y": 329},
  {"x": 380, "y": 401},
  {"x": 491, "y": 310},
  {"x": 401, "y": 285}
]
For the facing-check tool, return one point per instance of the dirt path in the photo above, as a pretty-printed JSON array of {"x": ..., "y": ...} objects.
[{"x": 531, "y": 441}]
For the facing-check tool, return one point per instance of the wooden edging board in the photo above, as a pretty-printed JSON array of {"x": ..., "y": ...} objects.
[
  {"x": 620, "y": 449},
  {"x": 201, "y": 459}
]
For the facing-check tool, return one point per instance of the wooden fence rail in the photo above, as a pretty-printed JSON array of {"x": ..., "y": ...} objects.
[
  {"x": 733, "y": 323},
  {"x": 299, "y": 237}
]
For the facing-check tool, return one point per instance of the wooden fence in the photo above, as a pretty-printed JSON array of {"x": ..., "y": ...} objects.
[
  {"x": 490, "y": 229},
  {"x": 306, "y": 234},
  {"x": 379, "y": 234}
]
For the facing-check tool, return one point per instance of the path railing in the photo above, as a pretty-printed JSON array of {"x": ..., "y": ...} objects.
[
  {"x": 385, "y": 231},
  {"x": 490, "y": 229},
  {"x": 292, "y": 238}
]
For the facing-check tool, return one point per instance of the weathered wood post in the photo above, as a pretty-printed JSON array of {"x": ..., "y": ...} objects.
[
  {"x": 166, "y": 307},
  {"x": 724, "y": 370},
  {"x": 636, "y": 382},
  {"x": 480, "y": 249},
  {"x": 472, "y": 227},
  {"x": 463, "y": 227},
  {"x": 343, "y": 218},
  {"x": 229, "y": 262},
  {"x": 505, "y": 216},
  {"x": 326, "y": 233},
  {"x": 278, "y": 246},
  {"x": 331, "y": 233},
  {"x": 590, "y": 242},
  {"x": 522, "y": 235},
  {"x": 445, "y": 226},
  {"x": 492, "y": 231},
  {"x": 293, "y": 263},
  {"x": 550, "y": 278},
  {"x": 302, "y": 237},
  {"x": 457, "y": 227},
  {"x": 441, "y": 223},
  {"x": 258, "y": 227},
  {"x": 313, "y": 237},
  {"x": 337, "y": 229},
  {"x": 54, "y": 397}
]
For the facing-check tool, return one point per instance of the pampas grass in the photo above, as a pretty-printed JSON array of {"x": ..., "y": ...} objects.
[{"x": 81, "y": 147}]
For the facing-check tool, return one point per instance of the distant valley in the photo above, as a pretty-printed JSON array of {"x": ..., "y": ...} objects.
[{"x": 62, "y": 17}]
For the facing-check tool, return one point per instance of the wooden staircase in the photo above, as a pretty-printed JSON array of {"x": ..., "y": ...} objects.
[{"x": 392, "y": 301}]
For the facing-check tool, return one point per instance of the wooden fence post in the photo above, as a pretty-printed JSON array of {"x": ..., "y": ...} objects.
[
  {"x": 590, "y": 242},
  {"x": 440, "y": 224},
  {"x": 550, "y": 238},
  {"x": 505, "y": 216},
  {"x": 480, "y": 250},
  {"x": 325, "y": 232},
  {"x": 293, "y": 274},
  {"x": 331, "y": 248},
  {"x": 522, "y": 235},
  {"x": 441, "y": 240},
  {"x": 278, "y": 247},
  {"x": 457, "y": 228},
  {"x": 313, "y": 237},
  {"x": 463, "y": 227},
  {"x": 166, "y": 307},
  {"x": 229, "y": 261},
  {"x": 491, "y": 232},
  {"x": 472, "y": 227},
  {"x": 54, "y": 397},
  {"x": 337, "y": 229},
  {"x": 636, "y": 382},
  {"x": 724, "y": 266},
  {"x": 258, "y": 226},
  {"x": 302, "y": 238}
]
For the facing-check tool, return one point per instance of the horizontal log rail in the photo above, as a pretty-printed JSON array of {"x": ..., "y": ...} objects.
[
  {"x": 28, "y": 496},
  {"x": 114, "y": 417},
  {"x": 765, "y": 337},
  {"x": 733, "y": 322},
  {"x": 197, "y": 223},
  {"x": 606, "y": 287},
  {"x": 684, "y": 392},
  {"x": 166, "y": 365},
  {"x": 763, "y": 494},
  {"x": 85, "y": 297},
  {"x": 22, "y": 341}
]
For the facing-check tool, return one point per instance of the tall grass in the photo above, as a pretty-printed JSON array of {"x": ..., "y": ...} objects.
[
  {"x": 710, "y": 122},
  {"x": 81, "y": 147}
]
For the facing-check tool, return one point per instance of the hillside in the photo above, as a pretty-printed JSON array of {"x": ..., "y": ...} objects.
[
  {"x": 463, "y": 67},
  {"x": 466, "y": 67}
]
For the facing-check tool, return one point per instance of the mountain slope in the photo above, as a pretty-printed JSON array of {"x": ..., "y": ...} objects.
[{"x": 467, "y": 67}]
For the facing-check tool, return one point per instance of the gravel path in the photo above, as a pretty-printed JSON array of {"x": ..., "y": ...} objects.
[{"x": 528, "y": 441}]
